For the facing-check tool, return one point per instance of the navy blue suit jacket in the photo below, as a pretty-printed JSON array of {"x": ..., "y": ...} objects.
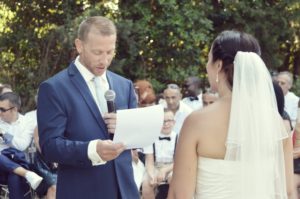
[{"x": 68, "y": 119}]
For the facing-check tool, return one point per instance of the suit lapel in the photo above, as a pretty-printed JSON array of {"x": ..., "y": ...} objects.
[
  {"x": 110, "y": 80},
  {"x": 80, "y": 84}
]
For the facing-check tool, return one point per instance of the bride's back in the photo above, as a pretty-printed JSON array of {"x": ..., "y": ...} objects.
[
  {"x": 233, "y": 148},
  {"x": 211, "y": 128}
]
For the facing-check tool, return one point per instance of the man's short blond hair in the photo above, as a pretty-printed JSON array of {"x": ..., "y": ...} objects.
[{"x": 100, "y": 25}]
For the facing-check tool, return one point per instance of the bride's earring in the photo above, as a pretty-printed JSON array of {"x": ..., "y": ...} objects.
[{"x": 217, "y": 79}]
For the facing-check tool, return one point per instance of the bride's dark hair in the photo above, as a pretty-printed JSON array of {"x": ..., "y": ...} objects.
[{"x": 227, "y": 44}]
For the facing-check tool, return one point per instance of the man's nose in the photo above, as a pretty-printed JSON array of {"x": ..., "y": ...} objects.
[
  {"x": 171, "y": 101},
  {"x": 104, "y": 58}
]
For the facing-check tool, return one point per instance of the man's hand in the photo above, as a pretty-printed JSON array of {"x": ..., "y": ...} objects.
[
  {"x": 108, "y": 150},
  {"x": 161, "y": 175},
  {"x": 153, "y": 179},
  {"x": 110, "y": 121}
]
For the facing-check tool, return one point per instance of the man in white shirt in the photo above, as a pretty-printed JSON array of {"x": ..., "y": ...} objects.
[
  {"x": 173, "y": 96},
  {"x": 285, "y": 81},
  {"x": 16, "y": 137},
  {"x": 192, "y": 93}
]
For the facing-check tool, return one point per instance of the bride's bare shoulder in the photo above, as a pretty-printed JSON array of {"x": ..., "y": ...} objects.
[
  {"x": 213, "y": 110},
  {"x": 208, "y": 116}
]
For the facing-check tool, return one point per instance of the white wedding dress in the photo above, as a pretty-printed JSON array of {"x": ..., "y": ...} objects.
[
  {"x": 254, "y": 165},
  {"x": 216, "y": 179}
]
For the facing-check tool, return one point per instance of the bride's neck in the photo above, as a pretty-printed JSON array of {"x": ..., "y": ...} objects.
[
  {"x": 223, "y": 88},
  {"x": 225, "y": 92}
]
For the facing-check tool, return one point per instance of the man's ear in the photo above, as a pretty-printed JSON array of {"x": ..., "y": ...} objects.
[{"x": 78, "y": 45}]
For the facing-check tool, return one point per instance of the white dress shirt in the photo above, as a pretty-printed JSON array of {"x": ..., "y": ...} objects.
[
  {"x": 291, "y": 106},
  {"x": 164, "y": 149},
  {"x": 89, "y": 77},
  {"x": 138, "y": 173},
  {"x": 19, "y": 132},
  {"x": 31, "y": 118},
  {"x": 194, "y": 104}
]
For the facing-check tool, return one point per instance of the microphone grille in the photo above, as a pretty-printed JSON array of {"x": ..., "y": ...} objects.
[{"x": 110, "y": 95}]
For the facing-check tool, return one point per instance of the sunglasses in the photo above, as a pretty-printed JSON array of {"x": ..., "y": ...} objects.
[{"x": 3, "y": 110}]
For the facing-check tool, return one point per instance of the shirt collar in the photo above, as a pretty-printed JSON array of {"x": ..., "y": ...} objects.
[
  {"x": 172, "y": 134},
  {"x": 86, "y": 74}
]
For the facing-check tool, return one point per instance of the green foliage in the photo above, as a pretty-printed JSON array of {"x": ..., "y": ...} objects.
[
  {"x": 163, "y": 41},
  {"x": 39, "y": 43},
  {"x": 269, "y": 21}
]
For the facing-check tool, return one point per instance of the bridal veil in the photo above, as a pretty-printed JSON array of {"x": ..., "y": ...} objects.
[{"x": 256, "y": 131}]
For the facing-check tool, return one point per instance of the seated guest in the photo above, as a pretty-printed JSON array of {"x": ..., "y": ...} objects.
[
  {"x": 159, "y": 157},
  {"x": 4, "y": 88},
  {"x": 13, "y": 172},
  {"x": 192, "y": 93},
  {"x": 285, "y": 81},
  {"x": 209, "y": 98},
  {"x": 145, "y": 93},
  {"x": 173, "y": 96},
  {"x": 145, "y": 97},
  {"x": 16, "y": 137}
]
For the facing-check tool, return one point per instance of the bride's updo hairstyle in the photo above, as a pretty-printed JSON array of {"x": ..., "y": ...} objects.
[{"x": 227, "y": 44}]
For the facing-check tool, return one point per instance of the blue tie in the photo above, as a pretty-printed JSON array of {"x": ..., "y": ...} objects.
[{"x": 100, "y": 95}]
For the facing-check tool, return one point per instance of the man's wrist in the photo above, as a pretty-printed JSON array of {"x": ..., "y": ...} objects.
[{"x": 93, "y": 155}]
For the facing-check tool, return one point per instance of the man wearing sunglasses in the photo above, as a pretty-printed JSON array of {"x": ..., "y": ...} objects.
[{"x": 15, "y": 138}]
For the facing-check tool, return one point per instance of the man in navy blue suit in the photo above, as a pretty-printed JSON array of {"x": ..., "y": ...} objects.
[{"x": 74, "y": 129}]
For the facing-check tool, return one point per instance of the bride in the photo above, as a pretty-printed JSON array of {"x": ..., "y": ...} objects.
[{"x": 236, "y": 148}]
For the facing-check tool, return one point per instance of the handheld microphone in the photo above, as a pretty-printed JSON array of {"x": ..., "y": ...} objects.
[{"x": 110, "y": 96}]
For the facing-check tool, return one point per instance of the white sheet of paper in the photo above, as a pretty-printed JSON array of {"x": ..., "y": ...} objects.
[{"x": 140, "y": 127}]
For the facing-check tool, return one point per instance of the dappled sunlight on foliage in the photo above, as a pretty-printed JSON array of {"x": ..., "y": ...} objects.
[
  {"x": 6, "y": 15},
  {"x": 163, "y": 41}
]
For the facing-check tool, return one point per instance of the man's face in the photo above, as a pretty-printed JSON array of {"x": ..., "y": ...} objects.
[
  {"x": 96, "y": 51},
  {"x": 189, "y": 88},
  {"x": 208, "y": 99},
  {"x": 283, "y": 81},
  {"x": 7, "y": 111},
  {"x": 172, "y": 97},
  {"x": 168, "y": 123}
]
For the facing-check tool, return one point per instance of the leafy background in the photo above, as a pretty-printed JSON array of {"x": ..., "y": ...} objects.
[{"x": 163, "y": 41}]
